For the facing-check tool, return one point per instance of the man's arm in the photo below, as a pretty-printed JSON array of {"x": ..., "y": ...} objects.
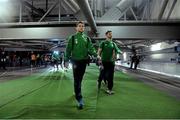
[
  {"x": 100, "y": 49},
  {"x": 91, "y": 48},
  {"x": 117, "y": 50},
  {"x": 99, "y": 53}
]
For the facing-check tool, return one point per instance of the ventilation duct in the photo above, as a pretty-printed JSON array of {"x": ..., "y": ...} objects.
[
  {"x": 125, "y": 4},
  {"x": 85, "y": 8}
]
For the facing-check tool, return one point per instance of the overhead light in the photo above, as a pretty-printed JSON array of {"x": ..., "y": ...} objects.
[
  {"x": 4, "y": 0},
  {"x": 56, "y": 52},
  {"x": 54, "y": 39},
  {"x": 6, "y": 14},
  {"x": 156, "y": 47},
  {"x": 125, "y": 56}
]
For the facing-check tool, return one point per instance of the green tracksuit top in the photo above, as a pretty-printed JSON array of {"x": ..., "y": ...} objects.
[
  {"x": 107, "y": 47},
  {"x": 80, "y": 48}
]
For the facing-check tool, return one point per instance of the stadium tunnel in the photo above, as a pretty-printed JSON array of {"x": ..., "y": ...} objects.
[{"x": 36, "y": 29}]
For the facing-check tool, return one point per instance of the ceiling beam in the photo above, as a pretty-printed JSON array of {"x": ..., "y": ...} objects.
[
  {"x": 120, "y": 30},
  {"x": 27, "y": 4},
  {"x": 165, "y": 2},
  {"x": 171, "y": 9},
  {"x": 49, "y": 10},
  {"x": 85, "y": 8}
]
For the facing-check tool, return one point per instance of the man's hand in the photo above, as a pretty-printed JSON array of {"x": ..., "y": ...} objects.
[
  {"x": 99, "y": 57},
  {"x": 99, "y": 61}
]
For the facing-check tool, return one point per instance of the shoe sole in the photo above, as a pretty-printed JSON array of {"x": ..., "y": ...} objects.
[
  {"x": 80, "y": 107},
  {"x": 109, "y": 93}
]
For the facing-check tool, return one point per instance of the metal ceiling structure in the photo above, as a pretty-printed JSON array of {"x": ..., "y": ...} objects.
[
  {"x": 121, "y": 30},
  {"x": 49, "y": 22}
]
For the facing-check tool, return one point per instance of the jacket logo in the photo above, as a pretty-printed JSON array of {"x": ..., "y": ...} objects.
[
  {"x": 83, "y": 36},
  {"x": 76, "y": 41}
]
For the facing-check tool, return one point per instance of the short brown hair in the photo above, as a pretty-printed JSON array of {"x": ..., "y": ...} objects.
[
  {"x": 108, "y": 32},
  {"x": 79, "y": 22}
]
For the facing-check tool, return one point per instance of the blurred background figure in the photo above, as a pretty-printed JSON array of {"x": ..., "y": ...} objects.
[
  {"x": 55, "y": 59},
  {"x": 3, "y": 60}
]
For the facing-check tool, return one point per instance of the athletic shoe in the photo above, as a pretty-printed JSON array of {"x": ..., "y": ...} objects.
[
  {"x": 110, "y": 92},
  {"x": 80, "y": 104}
]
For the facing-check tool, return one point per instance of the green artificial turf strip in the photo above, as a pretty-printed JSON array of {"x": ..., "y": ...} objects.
[
  {"x": 50, "y": 95},
  {"x": 133, "y": 99}
]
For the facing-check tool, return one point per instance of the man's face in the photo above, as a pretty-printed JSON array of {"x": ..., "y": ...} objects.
[
  {"x": 80, "y": 27},
  {"x": 109, "y": 35}
]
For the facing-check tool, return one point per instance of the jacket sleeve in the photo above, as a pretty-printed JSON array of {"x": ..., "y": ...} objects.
[
  {"x": 68, "y": 49},
  {"x": 101, "y": 45},
  {"x": 91, "y": 49},
  {"x": 117, "y": 50}
]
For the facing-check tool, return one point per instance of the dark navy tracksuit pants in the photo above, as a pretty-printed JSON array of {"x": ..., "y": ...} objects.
[{"x": 79, "y": 67}]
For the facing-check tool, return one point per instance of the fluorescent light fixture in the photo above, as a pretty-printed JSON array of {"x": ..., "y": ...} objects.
[
  {"x": 125, "y": 56},
  {"x": 7, "y": 10},
  {"x": 156, "y": 47},
  {"x": 54, "y": 39},
  {"x": 56, "y": 52},
  {"x": 4, "y": 0}
]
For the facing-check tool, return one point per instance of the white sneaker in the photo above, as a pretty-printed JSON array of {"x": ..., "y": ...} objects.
[{"x": 110, "y": 92}]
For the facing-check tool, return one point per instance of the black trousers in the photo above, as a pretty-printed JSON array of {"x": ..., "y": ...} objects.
[
  {"x": 135, "y": 64},
  {"x": 109, "y": 73},
  {"x": 79, "y": 68},
  {"x": 101, "y": 76},
  {"x": 132, "y": 64}
]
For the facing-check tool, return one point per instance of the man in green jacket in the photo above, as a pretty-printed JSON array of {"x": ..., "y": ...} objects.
[
  {"x": 78, "y": 48},
  {"x": 107, "y": 53}
]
